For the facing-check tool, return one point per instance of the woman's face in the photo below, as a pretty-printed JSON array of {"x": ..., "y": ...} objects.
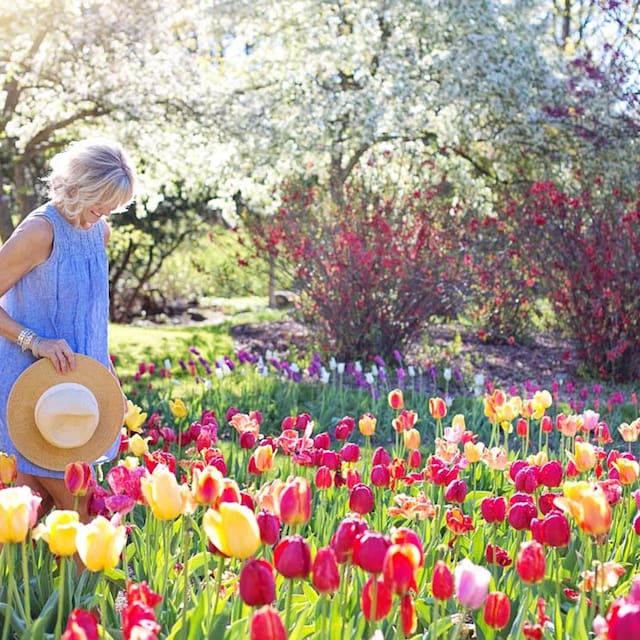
[{"x": 92, "y": 214}]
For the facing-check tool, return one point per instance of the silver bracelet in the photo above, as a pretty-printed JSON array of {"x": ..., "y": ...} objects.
[{"x": 25, "y": 338}]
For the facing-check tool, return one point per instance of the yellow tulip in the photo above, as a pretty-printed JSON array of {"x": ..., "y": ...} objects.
[
  {"x": 178, "y": 408},
  {"x": 233, "y": 529},
  {"x": 18, "y": 513},
  {"x": 473, "y": 452},
  {"x": 138, "y": 445},
  {"x": 134, "y": 418},
  {"x": 163, "y": 494},
  {"x": 585, "y": 457},
  {"x": 100, "y": 543},
  {"x": 367, "y": 424},
  {"x": 628, "y": 470},
  {"x": 263, "y": 457},
  {"x": 411, "y": 439},
  {"x": 8, "y": 468},
  {"x": 588, "y": 504},
  {"x": 59, "y": 532}
]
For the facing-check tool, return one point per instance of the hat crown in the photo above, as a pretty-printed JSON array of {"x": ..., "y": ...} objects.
[{"x": 67, "y": 414}]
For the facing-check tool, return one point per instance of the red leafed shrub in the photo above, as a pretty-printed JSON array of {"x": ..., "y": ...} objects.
[
  {"x": 371, "y": 273},
  {"x": 588, "y": 247}
]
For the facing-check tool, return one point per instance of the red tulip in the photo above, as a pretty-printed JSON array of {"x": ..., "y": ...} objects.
[
  {"x": 292, "y": 557},
  {"x": 399, "y": 567},
  {"x": 350, "y": 452},
  {"x": 456, "y": 491},
  {"x": 414, "y": 459},
  {"x": 266, "y": 624},
  {"x": 381, "y": 456},
  {"x": 77, "y": 476},
  {"x": 521, "y": 511},
  {"x": 442, "y": 581},
  {"x": 494, "y": 509},
  {"x": 330, "y": 459},
  {"x": 527, "y": 479},
  {"x": 326, "y": 576},
  {"x": 382, "y": 599},
  {"x": 369, "y": 551},
  {"x": 497, "y": 610},
  {"x": 361, "y": 499},
  {"x": 352, "y": 478},
  {"x": 295, "y": 502},
  {"x": 530, "y": 562},
  {"x": 380, "y": 476},
  {"x": 396, "y": 399},
  {"x": 498, "y": 555},
  {"x": 404, "y": 535},
  {"x": 269, "y": 525},
  {"x": 322, "y": 441},
  {"x": 257, "y": 583},
  {"x": 551, "y": 474},
  {"x": 552, "y": 530},
  {"x": 344, "y": 428},
  {"x": 408, "y": 618},
  {"x": 345, "y": 536},
  {"x": 81, "y": 625},
  {"x": 323, "y": 479},
  {"x": 437, "y": 408}
]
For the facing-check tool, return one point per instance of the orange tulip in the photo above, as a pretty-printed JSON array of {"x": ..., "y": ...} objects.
[
  {"x": 207, "y": 484},
  {"x": 8, "y": 468},
  {"x": 263, "y": 457},
  {"x": 411, "y": 439},
  {"x": 437, "y": 408},
  {"x": 588, "y": 504},
  {"x": 628, "y": 470},
  {"x": 396, "y": 399},
  {"x": 367, "y": 424}
]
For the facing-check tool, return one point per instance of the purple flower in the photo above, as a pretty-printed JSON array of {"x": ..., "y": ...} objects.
[{"x": 471, "y": 584}]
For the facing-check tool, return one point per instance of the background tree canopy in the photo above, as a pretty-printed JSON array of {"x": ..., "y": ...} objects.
[{"x": 228, "y": 106}]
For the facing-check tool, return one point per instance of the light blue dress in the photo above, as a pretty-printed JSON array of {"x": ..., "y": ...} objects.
[{"x": 65, "y": 297}]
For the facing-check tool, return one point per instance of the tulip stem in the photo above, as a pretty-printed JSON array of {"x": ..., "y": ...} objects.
[
  {"x": 25, "y": 583},
  {"x": 61, "y": 595},
  {"x": 288, "y": 605},
  {"x": 9, "y": 609},
  {"x": 217, "y": 583},
  {"x": 185, "y": 572}
]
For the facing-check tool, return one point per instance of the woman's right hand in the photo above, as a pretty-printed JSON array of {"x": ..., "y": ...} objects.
[{"x": 59, "y": 352}]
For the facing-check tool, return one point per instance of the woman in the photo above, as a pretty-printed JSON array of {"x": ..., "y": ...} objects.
[{"x": 54, "y": 288}]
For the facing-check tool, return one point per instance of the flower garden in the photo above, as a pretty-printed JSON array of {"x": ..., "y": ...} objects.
[{"x": 254, "y": 498}]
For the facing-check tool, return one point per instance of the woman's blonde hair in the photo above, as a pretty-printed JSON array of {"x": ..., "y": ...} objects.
[{"x": 89, "y": 172}]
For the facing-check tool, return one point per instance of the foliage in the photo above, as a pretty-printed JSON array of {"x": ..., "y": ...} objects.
[
  {"x": 144, "y": 236},
  {"x": 372, "y": 272},
  {"x": 588, "y": 247}
]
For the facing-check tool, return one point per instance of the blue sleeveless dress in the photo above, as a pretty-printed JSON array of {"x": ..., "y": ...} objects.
[{"x": 67, "y": 297}]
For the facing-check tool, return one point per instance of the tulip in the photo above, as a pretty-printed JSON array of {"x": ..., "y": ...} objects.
[
  {"x": 588, "y": 504},
  {"x": 323, "y": 478},
  {"x": 295, "y": 502},
  {"x": 456, "y": 492},
  {"x": 369, "y": 551},
  {"x": 382, "y": 598},
  {"x": 8, "y": 469},
  {"x": 521, "y": 511},
  {"x": 437, "y": 408},
  {"x": 380, "y": 476},
  {"x": 247, "y": 440},
  {"x": 269, "y": 526},
  {"x": 494, "y": 509},
  {"x": 134, "y": 417},
  {"x": 345, "y": 536},
  {"x": 257, "y": 584},
  {"x": 497, "y": 610},
  {"x": 292, "y": 557},
  {"x": 266, "y": 624},
  {"x": 399, "y": 567},
  {"x": 414, "y": 459},
  {"x": 233, "y": 529},
  {"x": 263, "y": 457},
  {"x": 367, "y": 424},
  {"x": 553, "y": 530},
  {"x": 206, "y": 486},
  {"x": 18, "y": 513},
  {"x": 408, "y": 618},
  {"x": 551, "y": 474},
  {"x": 100, "y": 543},
  {"x": 471, "y": 584},
  {"x": 411, "y": 438},
  {"x": 494, "y": 554},
  {"x": 361, "y": 499},
  {"x": 530, "y": 562},
  {"x": 527, "y": 479},
  {"x": 138, "y": 445},
  {"x": 81, "y": 625},
  {"x": 585, "y": 456},
  {"x": 350, "y": 452},
  {"x": 442, "y": 584},
  {"x": 59, "y": 532},
  {"x": 178, "y": 408},
  {"x": 163, "y": 494},
  {"x": 628, "y": 470},
  {"x": 396, "y": 399},
  {"x": 326, "y": 576},
  {"x": 77, "y": 477}
]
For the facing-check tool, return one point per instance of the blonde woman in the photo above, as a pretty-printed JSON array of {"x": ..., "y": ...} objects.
[{"x": 54, "y": 289}]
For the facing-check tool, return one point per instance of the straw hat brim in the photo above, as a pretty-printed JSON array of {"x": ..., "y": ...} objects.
[{"x": 42, "y": 375}]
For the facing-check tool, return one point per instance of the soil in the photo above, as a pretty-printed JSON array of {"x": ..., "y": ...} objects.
[{"x": 544, "y": 358}]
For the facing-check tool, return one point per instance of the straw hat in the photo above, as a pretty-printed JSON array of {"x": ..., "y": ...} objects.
[{"x": 55, "y": 418}]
